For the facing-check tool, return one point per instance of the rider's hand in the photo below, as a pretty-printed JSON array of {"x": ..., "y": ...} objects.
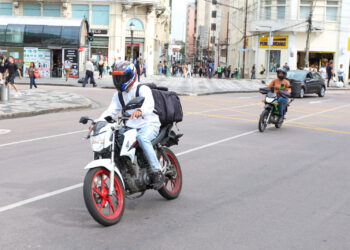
[
  {"x": 136, "y": 114},
  {"x": 91, "y": 127}
]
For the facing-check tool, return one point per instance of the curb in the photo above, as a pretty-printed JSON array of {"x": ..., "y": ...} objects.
[{"x": 45, "y": 111}]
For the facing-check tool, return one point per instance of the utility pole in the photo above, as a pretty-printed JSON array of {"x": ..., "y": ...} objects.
[
  {"x": 245, "y": 36},
  {"x": 307, "y": 48},
  {"x": 208, "y": 44}
]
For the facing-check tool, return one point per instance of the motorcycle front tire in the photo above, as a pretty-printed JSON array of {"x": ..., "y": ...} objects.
[{"x": 262, "y": 125}]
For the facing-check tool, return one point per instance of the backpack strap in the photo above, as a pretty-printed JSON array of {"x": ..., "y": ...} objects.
[
  {"x": 121, "y": 99},
  {"x": 138, "y": 90}
]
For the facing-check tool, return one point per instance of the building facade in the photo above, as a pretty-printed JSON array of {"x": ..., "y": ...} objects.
[
  {"x": 189, "y": 51},
  {"x": 110, "y": 23},
  {"x": 288, "y": 22}
]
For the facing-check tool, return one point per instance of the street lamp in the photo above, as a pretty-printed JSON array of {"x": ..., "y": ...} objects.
[{"x": 132, "y": 28}]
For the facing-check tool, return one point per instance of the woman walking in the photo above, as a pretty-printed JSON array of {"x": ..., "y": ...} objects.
[
  {"x": 100, "y": 69},
  {"x": 30, "y": 71}
]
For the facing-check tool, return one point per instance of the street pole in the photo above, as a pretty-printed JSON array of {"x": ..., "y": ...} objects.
[
  {"x": 268, "y": 56},
  {"x": 239, "y": 65},
  {"x": 307, "y": 47},
  {"x": 132, "y": 46},
  {"x": 245, "y": 35}
]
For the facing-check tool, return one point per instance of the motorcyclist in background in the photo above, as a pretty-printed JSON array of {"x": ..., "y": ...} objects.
[{"x": 280, "y": 83}]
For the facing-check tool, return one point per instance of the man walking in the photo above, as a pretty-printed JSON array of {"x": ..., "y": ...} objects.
[
  {"x": 89, "y": 73},
  {"x": 330, "y": 72},
  {"x": 189, "y": 70},
  {"x": 253, "y": 72},
  {"x": 10, "y": 73},
  {"x": 67, "y": 68},
  {"x": 340, "y": 74},
  {"x": 286, "y": 67}
]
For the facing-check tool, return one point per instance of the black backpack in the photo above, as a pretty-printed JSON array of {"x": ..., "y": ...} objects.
[{"x": 167, "y": 104}]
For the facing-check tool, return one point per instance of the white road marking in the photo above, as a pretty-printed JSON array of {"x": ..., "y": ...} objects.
[
  {"x": 248, "y": 97},
  {"x": 219, "y": 109},
  {"x": 4, "y": 131},
  {"x": 42, "y": 138},
  {"x": 59, "y": 191}
]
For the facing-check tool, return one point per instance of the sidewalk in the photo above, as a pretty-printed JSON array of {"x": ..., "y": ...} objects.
[
  {"x": 35, "y": 102},
  {"x": 183, "y": 86}
]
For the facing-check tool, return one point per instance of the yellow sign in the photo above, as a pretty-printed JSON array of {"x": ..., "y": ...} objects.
[
  {"x": 279, "y": 42},
  {"x": 349, "y": 43}
]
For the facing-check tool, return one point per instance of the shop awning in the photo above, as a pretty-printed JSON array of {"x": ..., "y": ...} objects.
[{"x": 19, "y": 31}]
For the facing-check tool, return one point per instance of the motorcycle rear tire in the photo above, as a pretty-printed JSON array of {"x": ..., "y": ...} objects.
[
  {"x": 91, "y": 203},
  {"x": 176, "y": 184},
  {"x": 262, "y": 125}
]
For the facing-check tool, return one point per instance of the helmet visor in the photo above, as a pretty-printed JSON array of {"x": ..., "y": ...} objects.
[{"x": 119, "y": 80}]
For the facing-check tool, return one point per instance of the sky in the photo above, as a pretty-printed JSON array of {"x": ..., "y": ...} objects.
[{"x": 178, "y": 18}]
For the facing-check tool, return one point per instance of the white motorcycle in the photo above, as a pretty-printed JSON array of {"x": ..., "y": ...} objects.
[{"x": 120, "y": 168}]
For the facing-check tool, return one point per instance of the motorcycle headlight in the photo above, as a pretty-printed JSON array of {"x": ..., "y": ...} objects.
[
  {"x": 97, "y": 142},
  {"x": 269, "y": 99}
]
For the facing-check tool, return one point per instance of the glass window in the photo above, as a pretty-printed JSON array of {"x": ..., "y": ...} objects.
[
  {"x": 33, "y": 34},
  {"x": 80, "y": 11},
  {"x": 31, "y": 9},
  {"x": 100, "y": 15},
  {"x": 70, "y": 35},
  {"x": 52, "y": 10},
  {"x": 6, "y": 9},
  {"x": 137, "y": 22},
  {"x": 51, "y": 35},
  {"x": 275, "y": 60},
  {"x": 305, "y": 9},
  {"x": 281, "y": 12},
  {"x": 316, "y": 75},
  {"x": 14, "y": 33},
  {"x": 268, "y": 10},
  {"x": 332, "y": 10},
  {"x": 2, "y": 33}
]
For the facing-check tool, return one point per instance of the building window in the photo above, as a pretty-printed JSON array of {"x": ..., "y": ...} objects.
[
  {"x": 14, "y": 33},
  {"x": 100, "y": 15},
  {"x": 332, "y": 10},
  {"x": 33, "y": 34},
  {"x": 52, "y": 10},
  {"x": 31, "y": 9},
  {"x": 80, "y": 11},
  {"x": 281, "y": 9},
  {"x": 267, "y": 10},
  {"x": 305, "y": 9},
  {"x": 6, "y": 9},
  {"x": 2, "y": 33},
  {"x": 138, "y": 24}
]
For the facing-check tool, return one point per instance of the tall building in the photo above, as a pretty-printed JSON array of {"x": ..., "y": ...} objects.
[
  {"x": 211, "y": 31},
  {"x": 110, "y": 21},
  {"x": 288, "y": 22},
  {"x": 189, "y": 51}
]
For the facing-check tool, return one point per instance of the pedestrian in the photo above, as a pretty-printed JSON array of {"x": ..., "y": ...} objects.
[
  {"x": 10, "y": 72},
  {"x": 138, "y": 69},
  {"x": 189, "y": 70},
  {"x": 228, "y": 71},
  {"x": 144, "y": 67},
  {"x": 200, "y": 71},
  {"x": 253, "y": 72},
  {"x": 262, "y": 71},
  {"x": 211, "y": 69},
  {"x": 286, "y": 67},
  {"x": 219, "y": 71},
  {"x": 100, "y": 69},
  {"x": 330, "y": 72},
  {"x": 67, "y": 68},
  {"x": 31, "y": 73},
  {"x": 340, "y": 74},
  {"x": 105, "y": 65},
  {"x": 2, "y": 68},
  {"x": 184, "y": 70},
  {"x": 160, "y": 68},
  {"x": 89, "y": 73},
  {"x": 323, "y": 72}
]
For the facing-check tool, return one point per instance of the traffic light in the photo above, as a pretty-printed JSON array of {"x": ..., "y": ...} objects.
[{"x": 90, "y": 36}]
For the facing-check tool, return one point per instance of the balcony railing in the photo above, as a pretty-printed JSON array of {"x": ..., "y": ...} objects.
[{"x": 137, "y": 33}]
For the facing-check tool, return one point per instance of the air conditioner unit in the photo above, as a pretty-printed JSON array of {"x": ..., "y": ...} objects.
[{"x": 65, "y": 5}]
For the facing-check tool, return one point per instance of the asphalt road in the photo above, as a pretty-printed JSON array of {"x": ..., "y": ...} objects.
[{"x": 285, "y": 188}]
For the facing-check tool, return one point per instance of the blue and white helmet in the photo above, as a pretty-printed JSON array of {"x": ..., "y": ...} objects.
[{"x": 124, "y": 75}]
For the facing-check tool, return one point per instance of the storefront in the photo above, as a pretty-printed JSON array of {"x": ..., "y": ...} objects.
[
  {"x": 100, "y": 45},
  {"x": 278, "y": 50},
  {"x": 46, "y": 41},
  {"x": 138, "y": 47},
  {"x": 316, "y": 58}
]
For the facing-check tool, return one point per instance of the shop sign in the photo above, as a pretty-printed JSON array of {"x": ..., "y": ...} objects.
[
  {"x": 72, "y": 56},
  {"x": 41, "y": 59},
  {"x": 99, "y": 32},
  {"x": 279, "y": 42},
  {"x": 81, "y": 49},
  {"x": 349, "y": 43}
]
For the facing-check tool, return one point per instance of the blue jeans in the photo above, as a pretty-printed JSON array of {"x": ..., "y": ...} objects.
[
  {"x": 281, "y": 103},
  {"x": 144, "y": 137},
  {"x": 32, "y": 82}
]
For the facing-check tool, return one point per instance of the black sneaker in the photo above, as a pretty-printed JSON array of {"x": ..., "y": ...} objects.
[
  {"x": 280, "y": 119},
  {"x": 158, "y": 180}
]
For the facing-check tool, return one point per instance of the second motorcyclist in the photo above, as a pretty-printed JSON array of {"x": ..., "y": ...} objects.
[
  {"x": 144, "y": 119},
  {"x": 280, "y": 84}
]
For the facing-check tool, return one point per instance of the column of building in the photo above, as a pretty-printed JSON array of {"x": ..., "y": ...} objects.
[{"x": 149, "y": 41}]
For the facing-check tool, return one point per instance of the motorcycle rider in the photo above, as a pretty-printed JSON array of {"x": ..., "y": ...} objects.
[
  {"x": 280, "y": 83},
  {"x": 144, "y": 119}
]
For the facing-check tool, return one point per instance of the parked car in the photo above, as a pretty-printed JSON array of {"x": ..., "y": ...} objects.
[{"x": 306, "y": 82}]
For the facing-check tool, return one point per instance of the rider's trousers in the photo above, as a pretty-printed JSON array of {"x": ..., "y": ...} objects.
[
  {"x": 281, "y": 104},
  {"x": 145, "y": 136}
]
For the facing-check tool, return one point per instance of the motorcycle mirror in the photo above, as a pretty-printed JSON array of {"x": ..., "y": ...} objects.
[
  {"x": 135, "y": 103},
  {"x": 84, "y": 119}
]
